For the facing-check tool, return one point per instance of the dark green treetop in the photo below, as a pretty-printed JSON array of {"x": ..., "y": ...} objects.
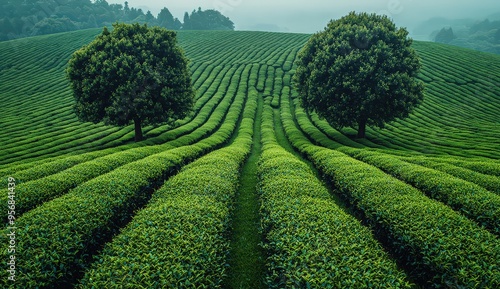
[
  {"x": 207, "y": 20},
  {"x": 446, "y": 35},
  {"x": 131, "y": 74},
  {"x": 361, "y": 70}
]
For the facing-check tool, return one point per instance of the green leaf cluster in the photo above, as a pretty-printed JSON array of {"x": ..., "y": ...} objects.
[
  {"x": 131, "y": 73},
  {"x": 468, "y": 198},
  {"x": 359, "y": 70},
  {"x": 180, "y": 239},
  {"x": 311, "y": 242},
  {"x": 441, "y": 247}
]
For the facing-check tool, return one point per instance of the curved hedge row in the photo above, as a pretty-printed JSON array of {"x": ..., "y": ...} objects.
[
  {"x": 442, "y": 247},
  {"x": 38, "y": 170},
  {"x": 84, "y": 218},
  {"x": 35, "y": 192},
  {"x": 489, "y": 182},
  {"x": 483, "y": 167},
  {"x": 179, "y": 239},
  {"x": 311, "y": 242},
  {"x": 471, "y": 200}
]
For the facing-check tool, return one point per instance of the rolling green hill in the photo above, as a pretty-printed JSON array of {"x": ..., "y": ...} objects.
[{"x": 249, "y": 191}]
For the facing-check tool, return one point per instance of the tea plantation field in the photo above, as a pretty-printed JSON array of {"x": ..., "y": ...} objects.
[{"x": 248, "y": 191}]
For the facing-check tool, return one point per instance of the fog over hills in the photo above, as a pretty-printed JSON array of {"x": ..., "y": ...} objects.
[{"x": 311, "y": 16}]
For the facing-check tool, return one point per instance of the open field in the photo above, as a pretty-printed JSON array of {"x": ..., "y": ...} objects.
[{"x": 249, "y": 191}]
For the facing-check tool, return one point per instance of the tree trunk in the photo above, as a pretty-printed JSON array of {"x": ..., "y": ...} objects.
[
  {"x": 362, "y": 128},
  {"x": 138, "y": 129}
]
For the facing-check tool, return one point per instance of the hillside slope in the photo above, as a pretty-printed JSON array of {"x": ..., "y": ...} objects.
[
  {"x": 415, "y": 203},
  {"x": 459, "y": 115}
]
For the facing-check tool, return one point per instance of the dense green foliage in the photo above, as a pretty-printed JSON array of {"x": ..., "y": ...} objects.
[
  {"x": 482, "y": 35},
  {"x": 416, "y": 202},
  {"x": 311, "y": 242},
  {"x": 131, "y": 74},
  {"x": 446, "y": 35},
  {"x": 207, "y": 20},
  {"x": 439, "y": 246},
  {"x": 30, "y": 18},
  {"x": 167, "y": 20},
  {"x": 359, "y": 71}
]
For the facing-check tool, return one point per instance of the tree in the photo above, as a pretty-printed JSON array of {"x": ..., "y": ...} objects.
[
  {"x": 207, "y": 20},
  {"x": 132, "y": 74},
  {"x": 149, "y": 17},
  {"x": 166, "y": 19},
  {"x": 359, "y": 71},
  {"x": 92, "y": 22},
  {"x": 177, "y": 24},
  {"x": 214, "y": 20},
  {"x": 126, "y": 9},
  {"x": 446, "y": 35},
  {"x": 185, "y": 25},
  {"x": 53, "y": 25}
]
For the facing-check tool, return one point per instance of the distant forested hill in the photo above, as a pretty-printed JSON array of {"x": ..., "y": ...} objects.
[
  {"x": 482, "y": 35},
  {"x": 23, "y": 18}
]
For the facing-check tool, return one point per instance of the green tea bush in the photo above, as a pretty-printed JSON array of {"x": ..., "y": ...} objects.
[
  {"x": 468, "y": 198},
  {"x": 489, "y": 182},
  {"x": 179, "y": 239},
  {"x": 311, "y": 242},
  {"x": 51, "y": 167},
  {"x": 440, "y": 247},
  {"x": 484, "y": 167}
]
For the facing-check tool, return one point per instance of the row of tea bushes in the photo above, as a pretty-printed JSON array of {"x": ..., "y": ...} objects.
[
  {"x": 179, "y": 239},
  {"x": 440, "y": 247},
  {"x": 311, "y": 242},
  {"x": 489, "y": 182},
  {"x": 468, "y": 198},
  {"x": 57, "y": 238}
]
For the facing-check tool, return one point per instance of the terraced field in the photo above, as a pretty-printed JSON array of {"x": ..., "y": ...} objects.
[{"x": 249, "y": 191}]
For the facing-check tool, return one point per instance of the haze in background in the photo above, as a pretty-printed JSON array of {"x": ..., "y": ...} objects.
[{"x": 312, "y": 15}]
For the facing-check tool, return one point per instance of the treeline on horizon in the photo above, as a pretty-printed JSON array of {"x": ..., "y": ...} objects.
[
  {"x": 24, "y": 18},
  {"x": 482, "y": 36}
]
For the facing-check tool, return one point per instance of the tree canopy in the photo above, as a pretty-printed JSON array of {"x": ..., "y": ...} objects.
[
  {"x": 446, "y": 35},
  {"x": 361, "y": 70},
  {"x": 131, "y": 74},
  {"x": 167, "y": 20},
  {"x": 207, "y": 20},
  {"x": 35, "y": 17},
  {"x": 483, "y": 36}
]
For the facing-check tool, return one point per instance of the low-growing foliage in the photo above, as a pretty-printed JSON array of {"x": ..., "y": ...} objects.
[
  {"x": 311, "y": 242},
  {"x": 442, "y": 247},
  {"x": 83, "y": 207},
  {"x": 468, "y": 198}
]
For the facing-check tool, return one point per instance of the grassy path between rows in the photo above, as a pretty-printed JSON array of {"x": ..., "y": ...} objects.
[{"x": 247, "y": 260}]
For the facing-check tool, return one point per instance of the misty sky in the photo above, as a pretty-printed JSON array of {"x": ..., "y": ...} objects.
[{"x": 312, "y": 15}]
